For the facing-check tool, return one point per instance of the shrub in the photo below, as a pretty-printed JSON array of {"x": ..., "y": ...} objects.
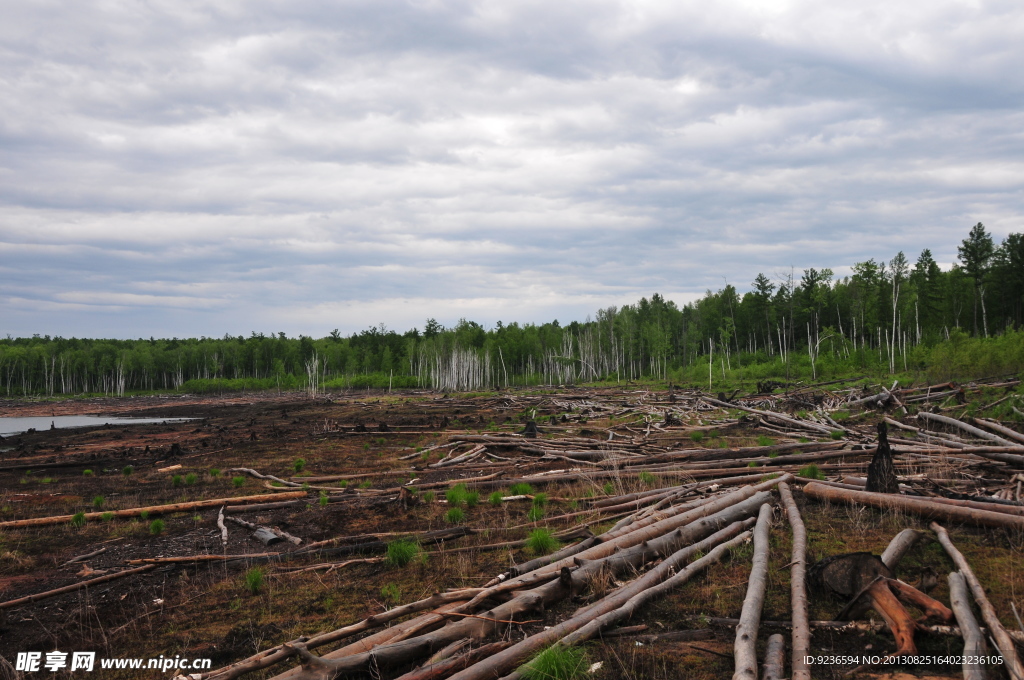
[
  {"x": 254, "y": 580},
  {"x": 78, "y": 519},
  {"x": 455, "y": 515},
  {"x": 697, "y": 436},
  {"x": 87, "y": 473},
  {"x": 557, "y": 663},
  {"x": 401, "y": 552},
  {"x": 214, "y": 472},
  {"x": 107, "y": 516},
  {"x": 456, "y": 495},
  {"x": 299, "y": 464},
  {"x": 765, "y": 440},
  {"x": 323, "y": 501},
  {"x": 239, "y": 482},
  {"x": 191, "y": 478},
  {"x": 156, "y": 527},
  {"x": 495, "y": 498},
  {"x": 391, "y": 593},
  {"x": 127, "y": 470},
  {"x": 520, "y": 489},
  {"x": 472, "y": 499},
  {"x": 541, "y": 541},
  {"x": 176, "y": 480},
  {"x": 97, "y": 502},
  {"x": 811, "y": 472},
  {"x": 536, "y": 513}
]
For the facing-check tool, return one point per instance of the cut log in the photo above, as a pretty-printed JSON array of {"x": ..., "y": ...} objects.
[
  {"x": 1001, "y": 429},
  {"x": 82, "y": 558},
  {"x": 73, "y": 587},
  {"x": 775, "y": 657},
  {"x": 899, "y": 546},
  {"x": 988, "y": 613},
  {"x": 946, "y": 420},
  {"x": 745, "y": 648},
  {"x": 773, "y": 416},
  {"x": 974, "y": 641},
  {"x": 798, "y": 587},
  {"x": 266, "y": 535},
  {"x": 915, "y": 506}
]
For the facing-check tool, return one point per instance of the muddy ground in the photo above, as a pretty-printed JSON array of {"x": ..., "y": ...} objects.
[{"x": 207, "y": 610}]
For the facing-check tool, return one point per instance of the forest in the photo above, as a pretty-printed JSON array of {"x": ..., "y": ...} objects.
[{"x": 889, "y": 317}]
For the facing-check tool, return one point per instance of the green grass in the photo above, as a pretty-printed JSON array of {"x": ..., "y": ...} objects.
[
  {"x": 366, "y": 485},
  {"x": 429, "y": 496},
  {"x": 78, "y": 519},
  {"x": 238, "y": 482},
  {"x": 457, "y": 495},
  {"x": 811, "y": 471},
  {"x": 323, "y": 501},
  {"x": 253, "y": 580},
  {"x": 455, "y": 515},
  {"x": 647, "y": 478},
  {"x": 107, "y": 516},
  {"x": 127, "y": 470},
  {"x": 472, "y": 499},
  {"x": 540, "y": 499},
  {"x": 343, "y": 483},
  {"x": 536, "y": 513},
  {"x": 401, "y": 552},
  {"x": 752, "y": 463},
  {"x": 765, "y": 440},
  {"x": 97, "y": 502},
  {"x": 520, "y": 489},
  {"x": 495, "y": 499},
  {"x": 299, "y": 464},
  {"x": 557, "y": 663},
  {"x": 608, "y": 488},
  {"x": 541, "y": 541},
  {"x": 191, "y": 478},
  {"x": 214, "y": 472},
  {"x": 144, "y": 515},
  {"x": 176, "y": 480},
  {"x": 837, "y": 434},
  {"x": 156, "y": 527},
  {"x": 697, "y": 436},
  {"x": 391, "y": 593},
  {"x": 87, "y": 473}
]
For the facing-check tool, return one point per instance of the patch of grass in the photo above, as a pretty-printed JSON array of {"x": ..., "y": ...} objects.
[
  {"x": 608, "y": 488},
  {"x": 540, "y": 499},
  {"x": 766, "y": 478},
  {"x": 697, "y": 436},
  {"x": 811, "y": 471},
  {"x": 495, "y": 499},
  {"x": 107, "y": 516},
  {"x": 765, "y": 440},
  {"x": 323, "y": 501},
  {"x": 455, "y": 515},
  {"x": 520, "y": 489},
  {"x": 647, "y": 478},
  {"x": 557, "y": 663},
  {"x": 214, "y": 472},
  {"x": 343, "y": 483},
  {"x": 254, "y": 580},
  {"x": 773, "y": 454},
  {"x": 457, "y": 495},
  {"x": 78, "y": 519},
  {"x": 752, "y": 463},
  {"x": 391, "y": 593},
  {"x": 191, "y": 478},
  {"x": 127, "y": 470},
  {"x": 472, "y": 499},
  {"x": 366, "y": 485},
  {"x": 176, "y": 480},
  {"x": 299, "y": 464},
  {"x": 156, "y": 527},
  {"x": 536, "y": 513},
  {"x": 803, "y": 440},
  {"x": 541, "y": 541},
  {"x": 837, "y": 434},
  {"x": 47, "y": 480},
  {"x": 97, "y": 502},
  {"x": 144, "y": 515},
  {"x": 87, "y": 473},
  {"x": 429, "y": 496},
  {"x": 401, "y": 552},
  {"x": 238, "y": 482}
]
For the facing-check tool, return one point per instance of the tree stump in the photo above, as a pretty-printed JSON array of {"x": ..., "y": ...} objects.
[{"x": 881, "y": 470}]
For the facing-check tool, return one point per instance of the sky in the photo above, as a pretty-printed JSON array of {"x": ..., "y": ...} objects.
[{"x": 177, "y": 169}]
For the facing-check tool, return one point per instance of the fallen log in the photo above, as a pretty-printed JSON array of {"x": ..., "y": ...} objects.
[
  {"x": 974, "y": 641},
  {"x": 446, "y": 667},
  {"x": 814, "y": 427},
  {"x": 745, "y": 645},
  {"x": 152, "y": 510},
  {"x": 82, "y": 558},
  {"x": 899, "y": 546},
  {"x": 263, "y": 537},
  {"x": 197, "y": 558},
  {"x": 946, "y": 420},
  {"x": 1001, "y": 429},
  {"x": 798, "y": 587},
  {"x": 915, "y": 506},
  {"x": 840, "y": 626},
  {"x": 775, "y": 657},
  {"x": 1003, "y": 641},
  {"x": 73, "y": 587}
]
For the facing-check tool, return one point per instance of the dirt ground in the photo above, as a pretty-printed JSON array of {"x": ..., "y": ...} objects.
[{"x": 370, "y": 441}]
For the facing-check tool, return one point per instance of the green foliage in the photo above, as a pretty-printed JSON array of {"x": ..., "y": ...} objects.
[
  {"x": 253, "y": 580},
  {"x": 540, "y": 499},
  {"x": 323, "y": 501},
  {"x": 557, "y": 663},
  {"x": 472, "y": 499},
  {"x": 107, "y": 516},
  {"x": 536, "y": 513},
  {"x": 191, "y": 478},
  {"x": 78, "y": 519},
  {"x": 176, "y": 480},
  {"x": 144, "y": 515},
  {"x": 156, "y": 527},
  {"x": 402, "y": 552},
  {"x": 429, "y": 496},
  {"x": 811, "y": 471},
  {"x": 343, "y": 483},
  {"x": 541, "y": 541},
  {"x": 495, "y": 499},
  {"x": 764, "y": 440},
  {"x": 608, "y": 488},
  {"x": 520, "y": 489},
  {"x": 752, "y": 463},
  {"x": 214, "y": 472},
  {"x": 238, "y": 481},
  {"x": 366, "y": 485},
  {"x": 455, "y": 515},
  {"x": 299, "y": 464},
  {"x": 647, "y": 478},
  {"x": 87, "y": 473},
  {"x": 391, "y": 593},
  {"x": 97, "y": 502},
  {"x": 457, "y": 495},
  {"x": 127, "y": 470},
  {"x": 697, "y": 436}
]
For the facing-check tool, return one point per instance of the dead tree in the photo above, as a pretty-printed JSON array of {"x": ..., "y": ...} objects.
[{"x": 882, "y": 472}]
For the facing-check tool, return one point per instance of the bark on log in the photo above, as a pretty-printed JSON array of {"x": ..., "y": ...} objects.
[
  {"x": 798, "y": 587},
  {"x": 73, "y": 587},
  {"x": 82, "y": 558},
  {"x": 775, "y": 657},
  {"x": 916, "y": 506},
  {"x": 968, "y": 428},
  {"x": 1003, "y": 641},
  {"x": 745, "y": 647},
  {"x": 152, "y": 510},
  {"x": 773, "y": 416},
  {"x": 446, "y": 667},
  {"x": 899, "y": 546},
  {"x": 260, "y": 475},
  {"x": 882, "y": 471},
  {"x": 974, "y": 641},
  {"x": 1001, "y": 429}
]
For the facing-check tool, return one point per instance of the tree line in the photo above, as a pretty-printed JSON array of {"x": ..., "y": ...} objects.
[{"x": 888, "y": 316}]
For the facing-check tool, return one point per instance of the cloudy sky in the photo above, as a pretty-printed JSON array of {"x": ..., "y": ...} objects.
[{"x": 174, "y": 168}]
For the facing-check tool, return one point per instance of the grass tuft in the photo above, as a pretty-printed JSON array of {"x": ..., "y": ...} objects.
[
  {"x": 156, "y": 527},
  {"x": 401, "y": 552},
  {"x": 811, "y": 471},
  {"x": 495, "y": 499},
  {"x": 520, "y": 489},
  {"x": 541, "y": 541},
  {"x": 238, "y": 482},
  {"x": 254, "y": 580},
  {"x": 455, "y": 515},
  {"x": 557, "y": 663},
  {"x": 299, "y": 464},
  {"x": 78, "y": 519}
]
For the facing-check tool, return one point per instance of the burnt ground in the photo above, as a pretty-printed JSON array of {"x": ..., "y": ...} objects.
[{"x": 206, "y": 610}]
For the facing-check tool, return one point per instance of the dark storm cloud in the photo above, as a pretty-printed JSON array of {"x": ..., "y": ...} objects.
[{"x": 174, "y": 168}]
